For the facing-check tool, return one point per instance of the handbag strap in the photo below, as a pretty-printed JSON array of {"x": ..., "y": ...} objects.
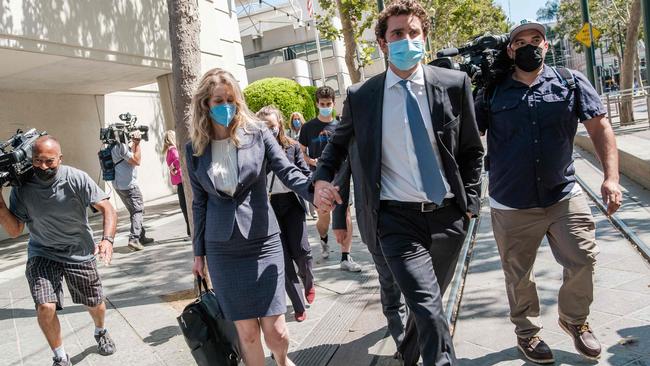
[{"x": 201, "y": 281}]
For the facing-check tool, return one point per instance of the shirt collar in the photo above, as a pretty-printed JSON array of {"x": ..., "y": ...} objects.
[
  {"x": 417, "y": 77},
  {"x": 547, "y": 74}
]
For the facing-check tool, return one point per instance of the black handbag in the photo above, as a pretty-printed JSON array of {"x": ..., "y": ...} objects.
[{"x": 212, "y": 339}]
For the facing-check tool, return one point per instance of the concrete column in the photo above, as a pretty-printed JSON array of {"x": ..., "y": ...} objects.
[
  {"x": 342, "y": 73},
  {"x": 165, "y": 87}
]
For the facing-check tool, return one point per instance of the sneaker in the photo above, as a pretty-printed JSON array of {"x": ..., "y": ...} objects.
[
  {"x": 145, "y": 240},
  {"x": 58, "y": 361},
  {"x": 135, "y": 245},
  {"x": 350, "y": 265},
  {"x": 535, "y": 350},
  {"x": 300, "y": 317},
  {"x": 583, "y": 339},
  {"x": 310, "y": 295},
  {"x": 325, "y": 249},
  {"x": 105, "y": 344}
]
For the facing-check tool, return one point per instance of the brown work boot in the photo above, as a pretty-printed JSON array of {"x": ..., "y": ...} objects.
[
  {"x": 583, "y": 339},
  {"x": 535, "y": 350}
]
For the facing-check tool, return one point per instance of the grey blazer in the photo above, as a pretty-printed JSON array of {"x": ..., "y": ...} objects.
[{"x": 216, "y": 213}]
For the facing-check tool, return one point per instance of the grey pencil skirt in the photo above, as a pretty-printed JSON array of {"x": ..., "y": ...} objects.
[{"x": 248, "y": 276}]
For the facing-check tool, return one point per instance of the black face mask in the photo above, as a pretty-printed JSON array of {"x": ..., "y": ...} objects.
[
  {"x": 45, "y": 175},
  {"x": 529, "y": 58}
]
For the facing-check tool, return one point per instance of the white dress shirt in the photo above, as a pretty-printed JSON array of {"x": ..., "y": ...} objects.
[
  {"x": 400, "y": 174},
  {"x": 224, "y": 171}
]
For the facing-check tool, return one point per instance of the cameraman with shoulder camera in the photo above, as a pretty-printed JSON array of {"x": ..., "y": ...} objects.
[
  {"x": 126, "y": 159},
  {"x": 531, "y": 118},
  {"x": 53, "y": 204}
]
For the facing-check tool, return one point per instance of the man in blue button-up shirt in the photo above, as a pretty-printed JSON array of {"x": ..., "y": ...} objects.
[{"x": 531, "y": 118}]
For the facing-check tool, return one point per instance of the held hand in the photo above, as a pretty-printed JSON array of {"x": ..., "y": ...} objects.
[
  {"x": 341, "y": 235},
  {"x": 105, "y": 251},
  {"x": 612, "y": 196},
  {"x": 326, "y": 195},
  {"x": 197, "y": 268}
]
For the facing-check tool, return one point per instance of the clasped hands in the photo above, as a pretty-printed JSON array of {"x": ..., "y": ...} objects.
[{"x": 326, "y": 195}]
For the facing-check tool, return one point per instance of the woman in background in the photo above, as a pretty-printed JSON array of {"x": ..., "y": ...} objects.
[
  {"x": 297, "y": 120},
  {"x": 174, "y": 164},
  {"x": 290, "y": 211}
]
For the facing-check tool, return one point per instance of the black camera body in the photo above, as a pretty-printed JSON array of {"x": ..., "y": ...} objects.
[
  {"x": 487, "y": 59},
  {"x": 120, "y": 132},
  {"x": 16, "y": 157}
]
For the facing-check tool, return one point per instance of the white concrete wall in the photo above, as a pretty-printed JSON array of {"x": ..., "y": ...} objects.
[
  {"x": 297, "y": 70},
  {"x": 102, "y": 30}
]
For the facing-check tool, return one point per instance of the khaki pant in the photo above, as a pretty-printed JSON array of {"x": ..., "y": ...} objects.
[{"x": 570, "y": 229}]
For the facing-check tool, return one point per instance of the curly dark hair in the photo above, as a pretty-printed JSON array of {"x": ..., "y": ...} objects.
[
  {"x": 325, "y": 92},
  {"x": 402, "y": 7}
]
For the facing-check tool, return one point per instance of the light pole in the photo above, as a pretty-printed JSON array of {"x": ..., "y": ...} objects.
[{"x": 591, "y": 55}]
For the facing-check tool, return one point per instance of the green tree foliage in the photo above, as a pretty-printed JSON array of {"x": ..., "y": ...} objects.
[
  {"x": 455, "y": 22},
  {"x": 311, "y": 90},
  {"x": 285, "y": 94}
]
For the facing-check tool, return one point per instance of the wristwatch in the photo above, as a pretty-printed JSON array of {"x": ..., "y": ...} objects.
[{"x": 110, "y": 239}]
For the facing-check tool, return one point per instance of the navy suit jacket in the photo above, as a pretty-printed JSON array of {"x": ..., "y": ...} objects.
[
  {"x": 216, "y": 213},
  {"x": 452, "y": 114}
]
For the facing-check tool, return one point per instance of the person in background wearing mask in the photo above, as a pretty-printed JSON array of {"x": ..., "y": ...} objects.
[
  {"x": 235, "y": 228},
  {"x": 314, "y": 136},
  {"x": 127, "y": 158},
  {"x": 173, "y": 162},
  {"x": 297, "y": 120},
  {"x": 290, "y": 211},
  {"x": 53, "y": 205},
  {"x": 415, "y": 129},
  {"x": 531, "y": 118}
]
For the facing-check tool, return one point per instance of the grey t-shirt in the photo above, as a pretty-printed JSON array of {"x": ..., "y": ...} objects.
[
  {"x": 56, "y": 215},
  {"x": 125, "y": 173}
]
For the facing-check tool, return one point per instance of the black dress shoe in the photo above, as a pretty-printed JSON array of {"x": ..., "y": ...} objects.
[{"x": 535, "y": 350}]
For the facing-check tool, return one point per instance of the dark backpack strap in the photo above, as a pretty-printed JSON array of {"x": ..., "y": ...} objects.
[
  {"x": 567, "y": 77},
  {"x": 272, "y": 181}
]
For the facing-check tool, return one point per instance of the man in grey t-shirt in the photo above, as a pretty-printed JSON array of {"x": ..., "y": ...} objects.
[
  {"x": 126, "y": 160},
  {"x": 53, "y": 204}
]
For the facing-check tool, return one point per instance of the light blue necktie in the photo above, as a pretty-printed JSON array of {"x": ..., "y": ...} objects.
[{"x": 432, "y": 182}]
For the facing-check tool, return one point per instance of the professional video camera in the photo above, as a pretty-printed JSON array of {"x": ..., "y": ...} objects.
[
  {"x": 120, "y": 132},
  {"x": 16, "y": 157},
  {"x": 487, "y": 59}
]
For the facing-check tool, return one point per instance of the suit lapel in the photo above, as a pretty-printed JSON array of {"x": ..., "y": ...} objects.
[{"x": 435, "y": 97}]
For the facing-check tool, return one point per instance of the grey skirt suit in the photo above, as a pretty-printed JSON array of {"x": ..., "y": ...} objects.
[{"x": 239, "y": 234}]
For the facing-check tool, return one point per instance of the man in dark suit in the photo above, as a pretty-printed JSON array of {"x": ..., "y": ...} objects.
[{"x": 415, "y": 129}]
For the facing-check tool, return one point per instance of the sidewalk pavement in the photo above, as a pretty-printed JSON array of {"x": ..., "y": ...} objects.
[
  {"x": 147, "y": 290},
  {"x": 620, "y": 313}
]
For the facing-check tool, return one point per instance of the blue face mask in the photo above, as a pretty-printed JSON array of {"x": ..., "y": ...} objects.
[
  {"x": 325, "y": 112},
  {"x": 296, "y": 123},
  {"x": 223, "y": 114},
  {"x": 405, "y": 54}
]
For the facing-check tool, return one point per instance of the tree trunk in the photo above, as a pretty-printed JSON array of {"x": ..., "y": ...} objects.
[
  {"x": 184, "y": 30},
  {"x": 629, "y": 58},
  {"x": 350, "y": 43}
]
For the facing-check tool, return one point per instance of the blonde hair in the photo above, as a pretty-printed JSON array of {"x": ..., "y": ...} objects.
[
  {"x": 300, "y": 117},
  {"x": 169, "y": 140},
  {"x": 201, "y": 126}
]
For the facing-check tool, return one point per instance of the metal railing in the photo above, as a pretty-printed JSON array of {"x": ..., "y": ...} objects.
[{"x": 640, "y": 100}]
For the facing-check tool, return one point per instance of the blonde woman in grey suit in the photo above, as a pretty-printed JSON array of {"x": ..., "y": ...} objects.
[{"x": 235, "y": 228}]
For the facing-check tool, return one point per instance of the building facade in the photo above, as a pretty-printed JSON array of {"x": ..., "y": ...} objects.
[{"x": 70, "y": 67}]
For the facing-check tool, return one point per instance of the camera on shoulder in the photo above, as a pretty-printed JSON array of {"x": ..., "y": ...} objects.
[
  {"x": 16, "y": 157},
  {"x": 122, "y": 132}
]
